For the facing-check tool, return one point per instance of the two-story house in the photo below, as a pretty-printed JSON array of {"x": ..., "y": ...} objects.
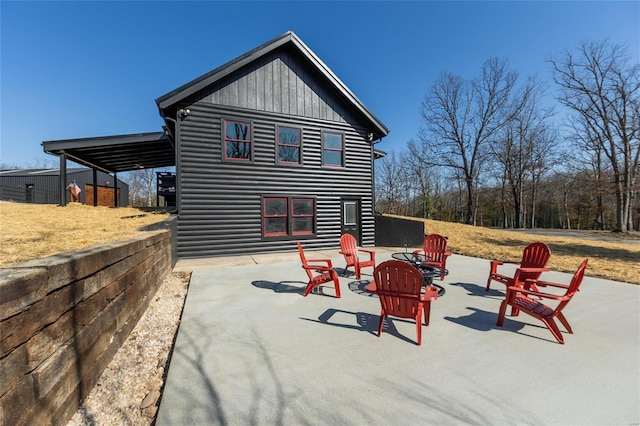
[{"x": 270, "y": 148}]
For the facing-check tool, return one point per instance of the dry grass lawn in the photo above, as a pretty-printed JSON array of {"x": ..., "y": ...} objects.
[
  {"x": 29, "y": 231},
  {"x": 612, "y": 260}
]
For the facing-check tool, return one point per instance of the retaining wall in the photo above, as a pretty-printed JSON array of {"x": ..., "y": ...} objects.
[{"x": 64, "y": 317}]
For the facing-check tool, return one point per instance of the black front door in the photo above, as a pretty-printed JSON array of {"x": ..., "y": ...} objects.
[{"x": 351, "y": 217}]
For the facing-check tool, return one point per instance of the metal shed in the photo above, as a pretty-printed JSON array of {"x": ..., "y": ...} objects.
[{"x": 41, "y": 186}]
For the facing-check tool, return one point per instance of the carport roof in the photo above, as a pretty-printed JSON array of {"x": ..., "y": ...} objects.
[{"x": 119, "y": 153}]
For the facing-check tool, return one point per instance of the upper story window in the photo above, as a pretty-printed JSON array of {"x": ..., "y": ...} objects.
[
  {"x": 288, "y": 143},
  {"x": 332, "y": 149},
  {"x": 237, "y": 140}
]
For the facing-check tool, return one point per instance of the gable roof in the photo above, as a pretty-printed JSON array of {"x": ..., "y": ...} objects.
[{"x": 168, "y": 102}]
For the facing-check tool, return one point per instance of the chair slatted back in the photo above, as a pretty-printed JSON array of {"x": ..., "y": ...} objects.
[
  {"x": 434, "y": 246},
  {"x": 535, "y": 255},
  {"x": 348, "y": 244},
  {"x": 303, "y": 259},
  {"x": 574, "y": 286},
  {"x": 398, "y": 286}
]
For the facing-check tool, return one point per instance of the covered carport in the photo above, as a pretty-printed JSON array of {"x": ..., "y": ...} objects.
[{"x": 112, "y": 154}]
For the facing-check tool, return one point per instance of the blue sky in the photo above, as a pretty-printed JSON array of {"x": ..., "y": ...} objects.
[{"x": 85, "y": 69}]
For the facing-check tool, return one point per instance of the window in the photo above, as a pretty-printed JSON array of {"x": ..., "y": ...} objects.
[
  {"x": 288, "y": 145},
  {"x": 332, "y": 149},
  {"x": 275, "y": 217},
  {"x": 350, "y": 213},
  {"x": 302, "y": 216},
  {"x": 237, "y": 140},
  {"x": 286, "y": 216}
]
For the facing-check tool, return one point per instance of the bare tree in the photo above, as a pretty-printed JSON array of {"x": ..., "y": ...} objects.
[
  {"x": 44, "y": 163},
  {"x": 603, "y": 91},
  {"x": 544, "y": 157},
  {"x": 461, "y": 117},
  {"x": 390, "y": 185},
  {"x": 7, "y": 166},
  {"x": 522, "y": 149},
  {"x": 588, "y": 159},
  {"x": 420, "y": 170},
  {"x": 142, "y": 187}
]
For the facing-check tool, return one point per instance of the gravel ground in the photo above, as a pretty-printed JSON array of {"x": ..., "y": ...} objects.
[{"x": 128, "y": 392}]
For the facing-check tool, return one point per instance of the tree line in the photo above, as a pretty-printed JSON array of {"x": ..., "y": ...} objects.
[{"x": 489, "y": 153}]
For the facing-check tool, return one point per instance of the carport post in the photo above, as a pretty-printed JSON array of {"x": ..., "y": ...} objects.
[
  {"x": 115, "y": 189},
  {"x": 63, "y": 179},
  {"x": 95, "y": 186}
]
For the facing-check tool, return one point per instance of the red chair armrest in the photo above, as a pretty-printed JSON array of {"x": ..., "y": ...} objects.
[
  {"x": 312, "y": 263},
  {"x": 430, "y": 294},
  {"x": 536, "y": 293},
  {"x": 371, "y": 253},
  {"x": 534, "y": 269},
  {"x": 540, "y": 283}
]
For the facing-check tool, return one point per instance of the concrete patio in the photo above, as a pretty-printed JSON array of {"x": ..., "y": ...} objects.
[{"x": 251, "y": 350}]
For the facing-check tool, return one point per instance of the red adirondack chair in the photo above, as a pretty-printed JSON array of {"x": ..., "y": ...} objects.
[
  {"x": 521, "y": 299},
  {"x": 351, "y": 252},
  {"x": 398, "y": 285},
  {"x": 533, "y": 263},
  {"x": 434, "y": 247},
  {"x": 320, "y": 271}
]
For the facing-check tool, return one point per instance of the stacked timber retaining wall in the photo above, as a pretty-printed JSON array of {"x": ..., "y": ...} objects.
[{"x": 64, "y": 317}]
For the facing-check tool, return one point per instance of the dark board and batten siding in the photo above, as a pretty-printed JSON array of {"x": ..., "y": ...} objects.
[{"x": 279, "y": 83}]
